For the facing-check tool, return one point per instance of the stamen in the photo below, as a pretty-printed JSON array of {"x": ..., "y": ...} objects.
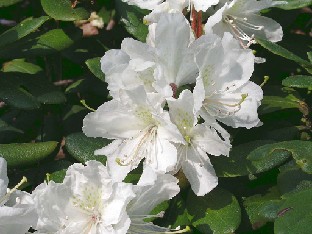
[
  {"x": 10, "y": 191},
  {"x": 83, "y": 102},
  {"x": 137, "y": 154}
]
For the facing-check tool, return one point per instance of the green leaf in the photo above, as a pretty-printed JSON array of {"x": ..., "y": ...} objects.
[
  {"x": 57, "y": 176},
  {"x": 19, "y": 65},
  {"x": 95, "y": 67},
  {"x": 74, "y": 85},
  {"x": 310, "y": 56},
  {"x": 249, "y": 158},
  {"x": 6, "y": 127},
  {"x": 27, "y": 92},
  {"x": 74, "y": 110},
  {"x": 50, "y": 42},
  {"x": 278, "y": 50},
  {"x": 275, "y": 103},
  {"x": 261, "y": 209},
  {"x": 82, "y": 147},
  {"x": 134, "y": 25},
  {"x": 295, "y": 214},
  {"x": 216, "y": 212},
  {"x": 62, "y": 10},
  {"x": 299, "y": 150},
  {"x": 24, "y": 28},
  {"x": 25, "y": 154},
  {"x": 293, "y": 179},
  {"x": 298, "y": 82},
  {"x": 294, "y": 4},
  {"x": 5, "y": 3}
]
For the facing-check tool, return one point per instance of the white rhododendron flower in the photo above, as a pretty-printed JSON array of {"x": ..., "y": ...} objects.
[
  {"x": 90, "y": 202},
  {"x": 142, "y": 130},
  {"x": 87, "y": 202},
  {"x": 17, "y": 213},
  {"x": 242, "y": 18},
  {"x": 148, "y": 196},
  {"x": 166, "y": 61},
  {"x": 200, "y": 140},
  {"x": 170, "y": 6},
  {"x": 224, "y": 72}
]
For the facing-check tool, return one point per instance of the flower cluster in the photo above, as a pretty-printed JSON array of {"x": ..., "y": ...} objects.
[{"x": 171, "y": 99}]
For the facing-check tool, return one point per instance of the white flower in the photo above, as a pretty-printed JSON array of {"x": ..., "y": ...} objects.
[
  {"x": 17, "y": 213},
  {"x": 170, "y": 6},
  {"x": 87, "y": 202},
  {"x": 167, "y": 60},
  {"x": 148, "y": 196},
  {"x": 225, "y": 70},
  {"x": 242, "y": 19},
  {"x": 201, "y": 139},
  {"x": 142, "y": 129},
  {"x": 90, "y": 202}
]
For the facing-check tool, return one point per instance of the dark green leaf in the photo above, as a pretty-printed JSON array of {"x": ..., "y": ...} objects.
[
  {"x": 50, "y": 42},
  {"x": 298, "y": 82},
  {"x": 95, "y": 67},
  {"x": 216, "y": 212},
  {"x": 24, "y": 28},
  {"x": 299, "y": 150},
  {"x": 57, "y": 176},
  {"x": 25, "y": 154},
  {"x": 62, "y": 10},
  {"x": 5, "y": 3},
  {"x": 134, "y": 25},
  {"x": 274, "y": 103},
  {"x": 6, "y": 127},
  {"x": 239, "y": 162},
  {"x": 262, "y": 209},
  {"x": 27, "y": 92},
  {"x": 295, "y": 214},
  {"x": 292, "y": 179},
  {"x": 19, "y": 65},
  {"x": 82, "y": 147},
  {"x": 294, "y": 4},
  {"x": 278, "y": 50}
]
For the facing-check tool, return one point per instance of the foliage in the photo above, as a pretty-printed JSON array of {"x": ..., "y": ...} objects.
[{"x": 49, "y": 65}]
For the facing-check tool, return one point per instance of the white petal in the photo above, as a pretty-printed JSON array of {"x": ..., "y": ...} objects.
[
  {"x": 172, "y": 41},
  {"x": 203, "y": 5},
  {"x": 16, "y": 220},
  {"x": 112, "y": 120},
  {"x": 115, "y": 207},
  {"x": 208, "y": 139},
  {"x": 137, "y": 50},
  {"x": 114, "y": 61},
  {"x": 199, "y": 171},
  {"x": 247, "y": 115},
  {"x": 4, "y": 180},
  {"x": 147, "y": 197}
]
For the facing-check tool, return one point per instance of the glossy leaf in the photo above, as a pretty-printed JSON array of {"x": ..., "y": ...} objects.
[
  {"x": 241, "y": 160},
  {"x": 28, "y": 92},
  {"x": 261, "y": 209},
  {"x": 299, "y": 150},
  {"x": 294, "y": 4},
  {"x": 26, "y": 154},
  {"x": 217, "y": 212},
  {"x": 279, "y": 50},
  {"x": 134, "y": 25},
  {"x": 95, "y": 67},
  {"x": 5, "y": 3},
  {"x": 19, "y": 65},
  {"x": 62, "y": 10},
  {"x": 298, "y": 82},
  {"x": 275, "y": 103},
  {"x": 295, "y": 214},
  {"x": 24, "y": 28},
  {"x": 4, "y": 127},
  {"x": 82, "y": 147}
]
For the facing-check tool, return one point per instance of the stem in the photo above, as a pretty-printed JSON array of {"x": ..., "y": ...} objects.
[{"x": 196, "y": 19}]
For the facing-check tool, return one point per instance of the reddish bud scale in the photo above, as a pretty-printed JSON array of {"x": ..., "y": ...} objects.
[{"x": 196, "y": 19}]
